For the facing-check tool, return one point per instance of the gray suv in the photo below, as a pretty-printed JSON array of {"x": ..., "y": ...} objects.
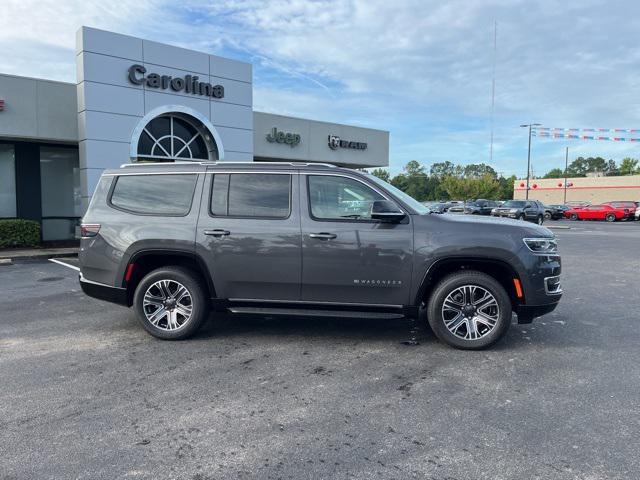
[{"x": 177, "y": 241}]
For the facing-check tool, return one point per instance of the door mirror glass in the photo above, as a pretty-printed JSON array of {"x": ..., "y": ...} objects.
[{"x": 386, "y": 211}]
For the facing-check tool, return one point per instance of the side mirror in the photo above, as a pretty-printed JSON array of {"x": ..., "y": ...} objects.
[{"x": 386, "y": 211}]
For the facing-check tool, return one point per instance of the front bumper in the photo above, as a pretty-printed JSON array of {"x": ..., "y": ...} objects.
[
  {"x": 526, "y": 313},
  {"x": 541, "y": 285}
]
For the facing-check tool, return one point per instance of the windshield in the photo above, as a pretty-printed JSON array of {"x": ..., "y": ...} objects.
[
  {"x": 403, "y": 197},
  {"x": 514, "y": 204}
]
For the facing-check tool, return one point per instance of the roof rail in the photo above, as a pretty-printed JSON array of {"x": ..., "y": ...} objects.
[{"x": 293, "y": 164}]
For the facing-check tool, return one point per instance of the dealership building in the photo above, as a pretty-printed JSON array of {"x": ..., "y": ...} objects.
[{"x": 137, "y": 100}]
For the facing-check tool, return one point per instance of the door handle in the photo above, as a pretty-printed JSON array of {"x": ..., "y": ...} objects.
[
  {"x": 323, "y": 235},
  {"x": 218, "y": 232}
]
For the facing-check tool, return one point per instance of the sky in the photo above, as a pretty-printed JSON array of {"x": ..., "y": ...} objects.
[{"x": 420, "y": 69}]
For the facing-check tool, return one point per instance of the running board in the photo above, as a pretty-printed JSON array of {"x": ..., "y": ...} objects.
[{"x": 301, "y": 312}]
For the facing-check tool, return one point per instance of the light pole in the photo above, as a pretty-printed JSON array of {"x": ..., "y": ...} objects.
[
  {"x": 529, "y": 156},
  {"x": 566, "y": 165}
]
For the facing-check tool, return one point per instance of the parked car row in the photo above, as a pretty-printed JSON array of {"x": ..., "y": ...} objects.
[{"x": 537, "y": 212}]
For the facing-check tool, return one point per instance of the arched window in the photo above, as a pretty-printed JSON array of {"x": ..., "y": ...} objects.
[{"x": 168, "y": 138}]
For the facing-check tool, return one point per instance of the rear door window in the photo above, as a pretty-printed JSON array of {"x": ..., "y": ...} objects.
[
  {"x": 251, "y": 195},
  {"x": 154, "y": 194}
]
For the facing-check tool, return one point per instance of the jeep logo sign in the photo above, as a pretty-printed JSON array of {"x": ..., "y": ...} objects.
[
  {"x": 335, "y": 142},
  {"x": 188, "y": 84},
  {"x": 291, "y": 139}
]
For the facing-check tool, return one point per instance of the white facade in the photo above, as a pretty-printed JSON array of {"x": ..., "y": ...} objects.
[{"x": 113, "y": 110}]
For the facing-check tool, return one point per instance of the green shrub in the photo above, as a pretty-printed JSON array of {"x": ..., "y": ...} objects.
[{"x": 19, "y": 233}]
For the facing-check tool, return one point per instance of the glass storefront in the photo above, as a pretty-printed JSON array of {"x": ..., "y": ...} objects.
[
  {"x": 60, "y": 187},
  {"x": 7, "y": 181}
]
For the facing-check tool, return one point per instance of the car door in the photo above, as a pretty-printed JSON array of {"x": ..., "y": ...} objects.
[
  {"x": 249, "y": 234},
  {"x": 347, "y": 257},
  {"x": 530, "y": 212}
]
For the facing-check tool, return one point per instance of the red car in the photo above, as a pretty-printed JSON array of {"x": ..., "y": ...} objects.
[
  {"x": 596, "y": 212},
  {"x": 628, "y": 206}
]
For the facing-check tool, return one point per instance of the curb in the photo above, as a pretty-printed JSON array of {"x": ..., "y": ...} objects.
[
  {"x": 6, "y": 261},
  {"x": 36, "y": 255}
]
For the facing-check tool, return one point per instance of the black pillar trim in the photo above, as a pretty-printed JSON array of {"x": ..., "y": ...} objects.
[{"x": 28, "y": 190}]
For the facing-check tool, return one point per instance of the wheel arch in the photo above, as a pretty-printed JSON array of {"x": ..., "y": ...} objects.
[
  {"x": 499, "y": 269},
  {"x": 144, "y": 261}
]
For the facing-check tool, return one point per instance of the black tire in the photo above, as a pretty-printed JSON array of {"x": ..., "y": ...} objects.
[
  {"x": 473, "y": 278},
  {"x": 610, "y": 217},
  {"x": 521, "y": 217},
  {"x": 573, "y": 216},
  {"x": 199, "y": 302},
  {"x": 547, "y": 216},
  {"x": 540, "y": 220}
]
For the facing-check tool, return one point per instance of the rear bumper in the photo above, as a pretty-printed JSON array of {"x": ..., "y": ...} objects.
[{"x": 104, "y": 292}]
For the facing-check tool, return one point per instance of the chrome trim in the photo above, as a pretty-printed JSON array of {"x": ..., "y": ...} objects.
[
  {"x": 558, "y": 291},
  {"x": 308, "y": 302},
  {"x": 85, "y": 280},
  {"x": 552, "y": 239}
]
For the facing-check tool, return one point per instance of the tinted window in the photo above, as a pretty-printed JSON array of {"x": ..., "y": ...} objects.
[
  {"x": 220, "y": 194},
  {"x": 513, "y": 204},
  {"x": 154, "y": 194},
  {"x": 340, "y": 198},
  {"x": 257, "y": 195}
]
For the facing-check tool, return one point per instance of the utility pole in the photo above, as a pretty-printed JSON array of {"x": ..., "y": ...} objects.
[
  {"x": 530, "y": 125},
  {"x": 566, "y": 165},
  {"x": 493, "y": 87}
]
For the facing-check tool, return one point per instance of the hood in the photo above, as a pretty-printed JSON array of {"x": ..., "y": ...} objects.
[{"x": 496, "y": 224}]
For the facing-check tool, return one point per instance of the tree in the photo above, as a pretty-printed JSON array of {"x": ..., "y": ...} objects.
[
  {"x": 468, "y": 188},
  {"x": 554, "y": 173},
  {"x": 628, "y": 166},
  {"x": 611, "y": 168},
  {"x": 382, "y": 174},
  {"x": 442, "y": 169},
  {"x": 477, "y": 170}
]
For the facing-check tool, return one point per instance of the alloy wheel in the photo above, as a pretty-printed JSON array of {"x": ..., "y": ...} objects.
[
  {"x": 167, "y": 305},
  {"x": 470, "y": 312}
]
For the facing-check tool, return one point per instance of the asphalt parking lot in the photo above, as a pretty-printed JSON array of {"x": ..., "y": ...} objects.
[{"x": 85, "y": 393}]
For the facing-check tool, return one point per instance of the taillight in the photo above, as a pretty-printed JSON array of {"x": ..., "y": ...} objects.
[{"x": 88, "y": 230}]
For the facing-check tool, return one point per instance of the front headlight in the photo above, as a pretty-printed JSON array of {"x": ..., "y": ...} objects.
[
  {"x": 513, "y": 210},
  {"x": 541, "y": 245},
  {"x": 494, "y": 210}
]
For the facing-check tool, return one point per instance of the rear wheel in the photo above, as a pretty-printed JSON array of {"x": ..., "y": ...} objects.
[
  {"x": 610, "y": 217},
  {"x": 521, "y": 217},
  {"x": 469, "y": 310},
  {"x": 540, "y": 220},
  {"x": 170, "y": 303}
]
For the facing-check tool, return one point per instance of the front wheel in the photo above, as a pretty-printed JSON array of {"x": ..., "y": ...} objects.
[
  {"x": 547, "y": 216},
  {"x": 469, "y": 310},
  {"x": 170, "y": 303},
  {"x": 573, "y": 216},
  {"x": 610, "y": 217}
]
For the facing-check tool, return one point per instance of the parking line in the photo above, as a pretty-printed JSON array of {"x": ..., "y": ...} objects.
[{"x": 64, "y": 264}]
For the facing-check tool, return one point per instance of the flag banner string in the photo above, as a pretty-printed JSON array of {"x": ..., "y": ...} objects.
[
  {"x": 582, "y": 137},
  {"x": 615, "y": 130}
]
